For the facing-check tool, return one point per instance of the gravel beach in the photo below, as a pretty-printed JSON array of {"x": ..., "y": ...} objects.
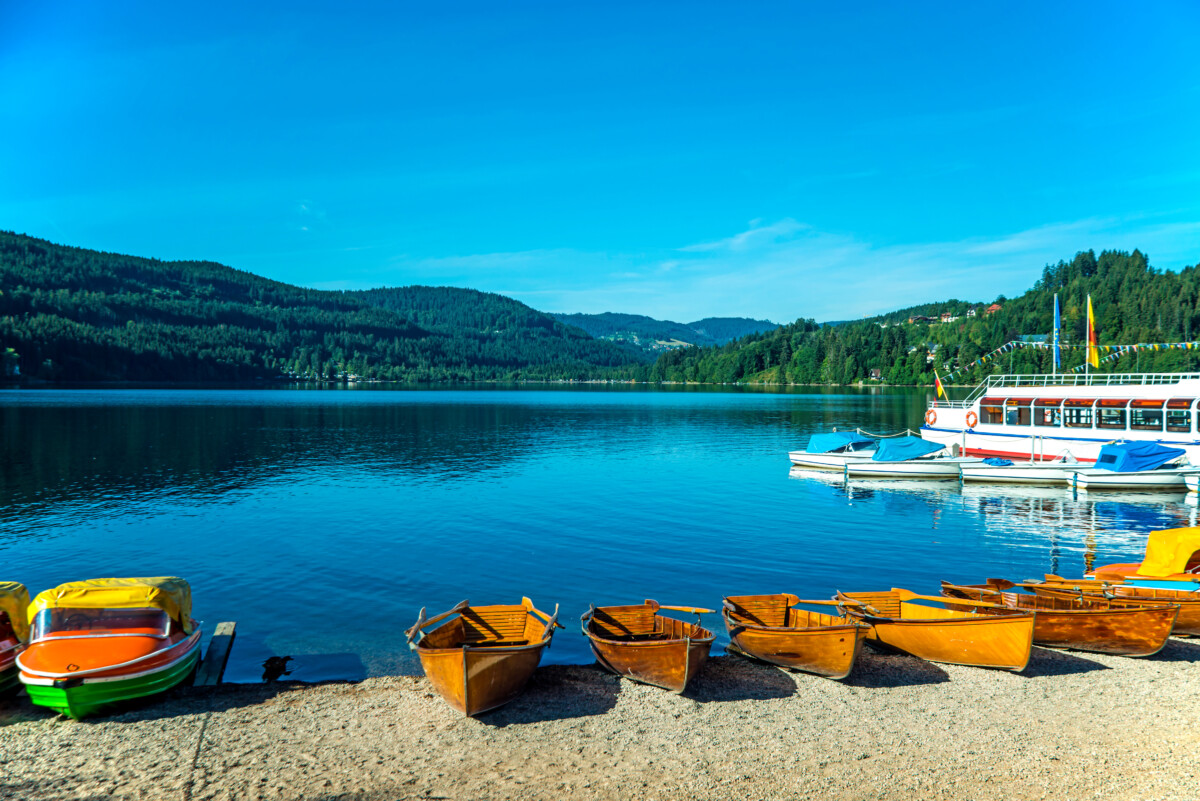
[{"x": 1073, "y": 726}]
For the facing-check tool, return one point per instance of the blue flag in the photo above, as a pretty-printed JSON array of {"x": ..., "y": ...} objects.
[{"x": 1057, "y": 346}]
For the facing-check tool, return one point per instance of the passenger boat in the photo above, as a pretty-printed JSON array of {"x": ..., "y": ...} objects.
[
  {"x": 1137, "y": 465},
  {"x": 994, "y": 470},
  {"x": 1000, "y": 638},
  {"x": 909, "y": 457},
  {"x": 832, "y": 451},
  {"x": 481, "y": 657},
  {"x": 771, "y": 629},
  {"x": 1096, "y": 624},
  {"x": 1037, "y": 417},
  {"x": 14, "y": 631},
  {"x": 640, "y": 644},
  {"x": 96, "y": 643}
]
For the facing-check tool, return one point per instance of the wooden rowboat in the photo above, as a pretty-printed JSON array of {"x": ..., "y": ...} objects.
[
  {"x": 638, "y": 643},
  {"x": 1096, "y": 624},
  {"x": 1187, "y": 623},
  {"x": 481, "y": 657},
  {"x": 99, "y": 642},
  {"x": 1001, "y": 639},
  {"x": 767, "y": 627},
  {"x": 14, "y": 631}
]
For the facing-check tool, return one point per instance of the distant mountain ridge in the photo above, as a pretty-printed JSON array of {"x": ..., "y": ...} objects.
[
  {"x": 72, "y": 314},
  {"x": 654, "y": 336}
]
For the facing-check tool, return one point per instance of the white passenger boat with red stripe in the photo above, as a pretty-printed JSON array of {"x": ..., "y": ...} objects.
[{"x": 1043, "y": 417}]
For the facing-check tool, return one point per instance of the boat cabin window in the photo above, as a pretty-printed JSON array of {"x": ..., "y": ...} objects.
[
  {"x": 1110, "y": 413},
  {"x": 1146, "y": 415},
  {"x": 991, "y": 410},
  {"x": 1077, "y": 413},
  {"x": 1017, "y": 411},
  {"x": 69, "y": 622},
  {"x": 1179, "y": 415},
  {"x": 1046, "y": 412}
]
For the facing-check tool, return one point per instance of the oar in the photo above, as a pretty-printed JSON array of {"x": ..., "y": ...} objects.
[
  {"x": 423, "y": 623},
  {"x": 695, "y": 610},
  {"x": 845, "y": 600},
  {"x": 540, "y": 615},
  {"x": 905, "y": 595},
  {"x": 551, "y": 622}
]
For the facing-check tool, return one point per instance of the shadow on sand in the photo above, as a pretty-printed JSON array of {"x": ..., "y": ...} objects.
[
  {"x": 879, "y": 667},
  {"x": 558, "y": 692},
  {"x": 736, "y": 678},
  {"x": 1049, "y": 662},
  {"x": 1178, "y": 650}
]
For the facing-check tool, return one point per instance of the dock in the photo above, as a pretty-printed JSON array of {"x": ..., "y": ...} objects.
[{"x": 213, "y": 667}]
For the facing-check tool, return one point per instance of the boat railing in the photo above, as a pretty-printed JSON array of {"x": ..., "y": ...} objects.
[{"x": 1033, "y": 381}]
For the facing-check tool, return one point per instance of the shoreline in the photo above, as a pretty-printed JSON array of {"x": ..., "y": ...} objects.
[{"x": 1071, "y": 726}]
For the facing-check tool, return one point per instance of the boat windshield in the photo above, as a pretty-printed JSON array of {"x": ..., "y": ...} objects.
[{"x": 68, "y": 622}]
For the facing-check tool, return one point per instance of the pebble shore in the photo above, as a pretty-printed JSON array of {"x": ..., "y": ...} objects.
[{"x": 1072, "y": 726}]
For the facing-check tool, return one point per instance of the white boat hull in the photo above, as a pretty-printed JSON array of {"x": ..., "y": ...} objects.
[
  {"x": 827, "y": 461},
  {"x": 1169, "y": 479},
  {"x": 912, "y": 468},
  {"x": 1192, "y": 483},
  {"x": 1042, "y": 474}
]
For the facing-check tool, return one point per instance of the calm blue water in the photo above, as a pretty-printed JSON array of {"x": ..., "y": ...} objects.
[{"x": 322, "y": 520}]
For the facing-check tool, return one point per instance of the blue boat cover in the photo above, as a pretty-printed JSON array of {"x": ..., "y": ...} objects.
[
  {"x": 1135, "y": 457},
  {"x": 826, "y": 443},
  {"x": 901, "y": 449},
  {"x": 996, "y": 462}
]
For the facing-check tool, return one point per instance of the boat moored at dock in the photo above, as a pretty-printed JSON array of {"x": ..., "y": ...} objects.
[
  {"x": 994, "y": 470},
  {"x": 1137, "y": 465},
  {"x": 832, "y": 451},
  {"x": 99, "y": 642},
  {"x": 909, "y": 457}
]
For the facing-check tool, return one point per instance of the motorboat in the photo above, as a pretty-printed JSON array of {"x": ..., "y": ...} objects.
[
  {"x": 99, "y": 642},
  {"x": 995, "y": 470},
  {"x": 14, "y": 631},
  {"x": 1137, "y": 465},
  {"x": 832, "y": 451},
  {"x": 909, "y": 457}
]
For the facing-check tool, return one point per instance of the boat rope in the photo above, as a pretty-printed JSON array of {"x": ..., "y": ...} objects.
[{"x": 908, "y": 432}]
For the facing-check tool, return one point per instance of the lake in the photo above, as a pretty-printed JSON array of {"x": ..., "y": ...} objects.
[{"x": 322, "y": 520}]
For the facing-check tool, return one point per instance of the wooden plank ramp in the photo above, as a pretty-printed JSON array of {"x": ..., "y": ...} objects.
[{"x": 213, "y": 666}]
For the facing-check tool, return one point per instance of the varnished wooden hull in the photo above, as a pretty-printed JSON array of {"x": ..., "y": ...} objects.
[
  {"x": 825, "y": 645},
  {"x": 1096, "y": 626},
  {"x": 1187, "y": 621},
  {"x": 482, "y": 658},
  {"x": 476, "y": 680},
  {"x": 637, "y": 643},
  {"x": 1003, "y": 641}
]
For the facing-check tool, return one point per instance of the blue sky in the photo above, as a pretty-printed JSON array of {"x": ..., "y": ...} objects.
[{"x": 679, "y": 160}]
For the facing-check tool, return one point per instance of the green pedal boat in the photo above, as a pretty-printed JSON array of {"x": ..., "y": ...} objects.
[{"x": 96, "y": 643}]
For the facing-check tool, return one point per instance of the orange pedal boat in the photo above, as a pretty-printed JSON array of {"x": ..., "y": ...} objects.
[
  {"x": 482, "y": 656},
  {"x": 95, "y": 643},
  {"x": 640, "y": 644}
]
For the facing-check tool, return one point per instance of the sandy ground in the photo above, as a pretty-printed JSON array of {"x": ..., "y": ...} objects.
[{"x": 1072, "y": 726}]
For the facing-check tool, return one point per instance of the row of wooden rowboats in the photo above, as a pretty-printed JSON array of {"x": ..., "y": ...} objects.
[
  {"x": 86, "y": 645},
  {"x": 480, "y": 657}
]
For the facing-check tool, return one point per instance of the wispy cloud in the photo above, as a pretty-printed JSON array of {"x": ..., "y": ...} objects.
[{"x": 787, "y": 269}]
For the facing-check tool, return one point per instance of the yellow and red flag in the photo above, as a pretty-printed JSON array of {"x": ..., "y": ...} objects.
[
  {"x": 1093, "y": 342},
  {"x": 937, "y": 382}
]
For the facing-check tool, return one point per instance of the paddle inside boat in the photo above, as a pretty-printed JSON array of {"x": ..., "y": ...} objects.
[
  {"x": 95, "y": 643},
  {"x": 638, "y": 643},
  {"x": 904, "y": 621},
  {"x": 481, "y": 657},
  {"x": 14, "y": 631},
  {"x": 769, "y": 628},
  {"x": 1096, "y": 624}
]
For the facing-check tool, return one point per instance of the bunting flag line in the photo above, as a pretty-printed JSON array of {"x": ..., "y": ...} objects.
[{"x": 1112, "y": 352}]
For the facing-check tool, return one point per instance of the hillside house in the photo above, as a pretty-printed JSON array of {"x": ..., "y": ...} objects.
[{"x": 990, "y": 310}]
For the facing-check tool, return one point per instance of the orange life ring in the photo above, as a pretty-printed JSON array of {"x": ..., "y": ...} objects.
[
  {"x": 972, "y": 419},
  {"x": 930, "y": 417}
]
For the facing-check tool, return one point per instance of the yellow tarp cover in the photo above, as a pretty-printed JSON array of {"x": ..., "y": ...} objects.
[
  {"x": 1168, "y": 551},
  {"x": 168, "y": 593},
  {"x": 14, "y": 598}
]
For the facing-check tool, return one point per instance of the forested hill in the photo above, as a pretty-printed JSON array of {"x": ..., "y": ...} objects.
[
  {"x": 726, "y": 329},
  {"x": 651, "y": 335},
  {"x": 72, "y": 314},
  {"x": 1133, "y": 303}
]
